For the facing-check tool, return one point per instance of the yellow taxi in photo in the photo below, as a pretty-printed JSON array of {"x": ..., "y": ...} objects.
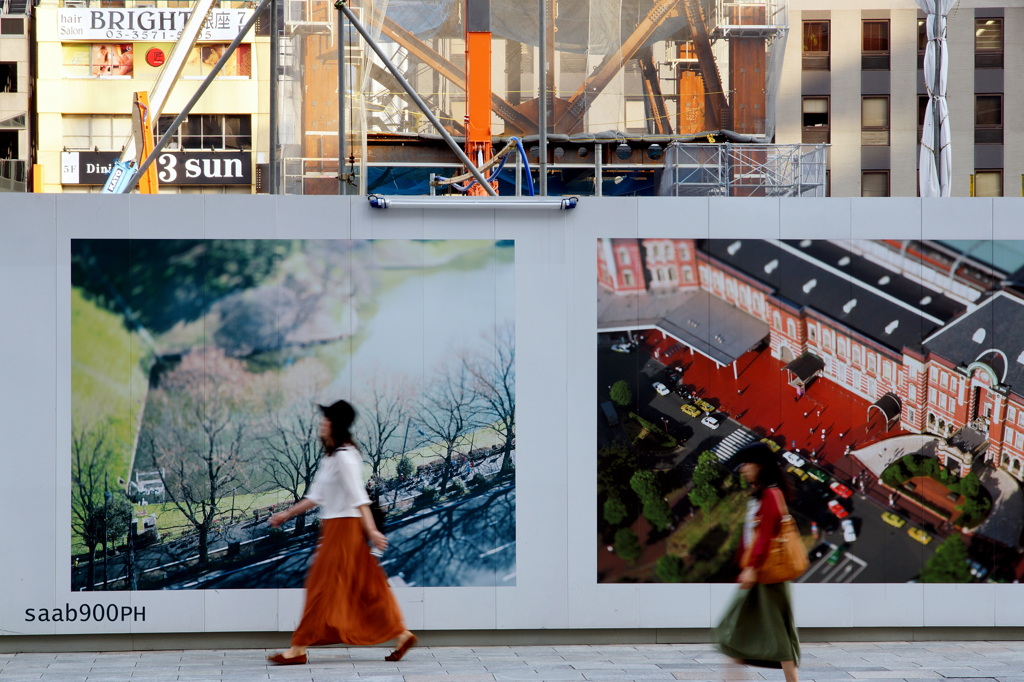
[
  {"x": 798, "y": 472},
  {"x": 690, "y": 410},
  {"x": 893, "y": 519},
  {"x": 772, "y": 445},
  {"x": 919, "y": 535},
  {"x": 704, "y": 405}
]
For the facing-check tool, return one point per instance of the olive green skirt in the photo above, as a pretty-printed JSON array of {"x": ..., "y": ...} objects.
[{"x": 758, "y": 627}]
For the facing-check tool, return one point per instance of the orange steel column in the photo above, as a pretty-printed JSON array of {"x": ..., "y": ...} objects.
[{"x": 478, "y": 86}]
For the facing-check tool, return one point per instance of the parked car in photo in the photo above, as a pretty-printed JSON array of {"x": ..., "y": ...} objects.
[
  {"x": 893, "y": 519},
  {"x": 836, "y": 555},
  {"x": 849, "y": 532},
  {"x": 919, "y": 535},
  {"x": 690, "y": 410},
  {"x": 817, "y": 474},
  {"x": 621, "y": 347},
  {"x": 836, "y": 508},
  {"x": 840, "y": 489},
  {"x": 977, "y": 570},
  {"x": 772, "y": 445},
  {"x": 794, "y": 459},
  {"x": 798, "y": 472},
  {"x": 661, "y": 388},
  {"x": 704, "y": 405},
  {"x": 711, "y": 422}
]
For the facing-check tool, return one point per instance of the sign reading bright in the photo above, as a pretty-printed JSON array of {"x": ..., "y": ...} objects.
[{"x": 146, "y": 23}]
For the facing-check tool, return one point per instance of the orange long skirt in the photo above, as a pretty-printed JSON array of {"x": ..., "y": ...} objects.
[{"x": 348, "y": 600}]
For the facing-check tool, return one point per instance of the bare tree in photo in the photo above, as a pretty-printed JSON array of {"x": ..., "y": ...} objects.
[
  {"x": 292, "y": 443},
  {"x": 98, "y": 515},
  {"x": 384, "y": 407},
  {"x": 198, "y": 426},
  {"x": 448, "y": 415},
  {"x": 494, "y": 377}
]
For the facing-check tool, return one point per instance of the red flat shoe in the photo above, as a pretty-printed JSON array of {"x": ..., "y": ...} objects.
[
  {"x": 281, "y": 659},
  {"x": 397, "y": 654}
]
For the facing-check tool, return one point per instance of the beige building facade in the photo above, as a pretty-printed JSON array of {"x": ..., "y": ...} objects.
[
  {"x": 93, "y": 57},
  {"x": 852, "y": 77}
]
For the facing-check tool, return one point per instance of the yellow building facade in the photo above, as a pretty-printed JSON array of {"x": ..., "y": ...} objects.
[{"x": 93, "y": 55}]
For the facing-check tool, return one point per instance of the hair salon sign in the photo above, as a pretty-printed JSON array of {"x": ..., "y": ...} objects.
[
  {"x": 173, "y": 168},
  {"x": 146, "y": 24}
]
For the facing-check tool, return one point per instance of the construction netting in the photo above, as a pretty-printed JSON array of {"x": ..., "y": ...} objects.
[{"x": 652, "y": 70}]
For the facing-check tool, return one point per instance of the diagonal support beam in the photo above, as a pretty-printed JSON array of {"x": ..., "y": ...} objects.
[
  {"x": 653, "y": 95},
  {"x": 457, "y": 76},
  {"x": 613, "y": 63},
  {"x": 714, "y": 93},
  {"x": 384, "y": 77}
]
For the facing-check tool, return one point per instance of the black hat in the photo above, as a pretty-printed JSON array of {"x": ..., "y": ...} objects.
[
  {"x": 341, "y": 414},
  {"x": 754, "y": 453}
]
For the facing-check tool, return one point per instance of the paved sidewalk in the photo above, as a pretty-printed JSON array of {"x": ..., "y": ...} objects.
[{"x": 975, "y": 661}]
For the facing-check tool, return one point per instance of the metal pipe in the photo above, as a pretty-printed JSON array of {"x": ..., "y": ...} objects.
[
  {"x": 342, "y": 179},
  {"x": 340, "y": 4},
  {"x": 275, "y": 46},
  {"x": 542, "y": 103},
  {"x": 195, "y": 98}
]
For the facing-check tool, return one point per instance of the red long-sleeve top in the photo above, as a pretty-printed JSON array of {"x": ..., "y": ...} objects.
[{"x": 769, "y": 522}]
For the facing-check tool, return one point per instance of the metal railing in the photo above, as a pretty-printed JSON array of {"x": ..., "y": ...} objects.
[{"x": 747, "y": 170}]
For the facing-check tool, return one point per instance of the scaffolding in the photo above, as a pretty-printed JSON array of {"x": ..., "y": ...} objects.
[
  {"x": 744, "y": 170},
  {"x": 670, "y": 69}
]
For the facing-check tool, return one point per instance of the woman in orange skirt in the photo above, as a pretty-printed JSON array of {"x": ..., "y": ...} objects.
[{"x": 348, "y": 600}]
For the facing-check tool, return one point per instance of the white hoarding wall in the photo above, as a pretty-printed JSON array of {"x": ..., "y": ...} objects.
[{"x": 604, "y": 363}]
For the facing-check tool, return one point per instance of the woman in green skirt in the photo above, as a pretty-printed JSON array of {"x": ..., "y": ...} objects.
[{"x": 758, "y": 628}]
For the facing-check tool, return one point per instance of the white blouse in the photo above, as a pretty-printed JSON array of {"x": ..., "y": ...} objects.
[{"x": 338, "y": 485}]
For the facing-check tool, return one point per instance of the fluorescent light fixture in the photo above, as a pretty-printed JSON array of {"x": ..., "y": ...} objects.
[{"x": 562, "y": 203}]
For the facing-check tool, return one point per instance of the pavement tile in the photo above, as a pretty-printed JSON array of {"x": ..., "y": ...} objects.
[
  {"x": 738, "y": 674},
  {"x": 632, "y": 675},
  {"x": 916, "y": 674}
]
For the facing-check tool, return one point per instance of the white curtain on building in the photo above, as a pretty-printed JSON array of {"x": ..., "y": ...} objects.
[{"x": 936, "y": 152}]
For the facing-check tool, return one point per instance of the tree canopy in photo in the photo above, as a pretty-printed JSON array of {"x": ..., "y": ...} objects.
[{"x": 158, "y": 283}]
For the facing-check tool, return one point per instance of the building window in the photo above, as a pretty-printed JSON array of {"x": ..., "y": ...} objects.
[
  {"x": 815, "y": 120},
  {"x": 922, "y": 109},
  {"x": 624, "y": 256},
  {"x": 98, "y": 60},
  {"x": 205, "y": 57},
  {"x": 988, "y": 183},
  {"x": 816, "y": 46},
  {"x": 8, "y": 76},
  {"x": 687, "y": 274},
  {"x": 209, "y": 131},
  {"x": 874, "y": 183},
  {"x": 95, "y": 132},
  {"x": 874, "y": 121},
  {"x": 627, "y": 278},
  {"x": 922, "y": 41},
  {"x": 875, "y": 46},
  {"x": 988, "y": 119},
  {"x": 988, "y": 43},
  {"x": 684, "y": 252}
]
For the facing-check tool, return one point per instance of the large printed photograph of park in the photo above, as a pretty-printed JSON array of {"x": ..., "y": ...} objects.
[
  {"x": 886, "y": 375},
  {"x": 196, "y": 371}
]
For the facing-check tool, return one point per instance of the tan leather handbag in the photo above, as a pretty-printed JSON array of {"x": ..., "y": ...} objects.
[{"x": 787, "y": 556}]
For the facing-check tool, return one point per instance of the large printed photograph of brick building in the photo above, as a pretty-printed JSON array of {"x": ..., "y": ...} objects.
[
  {"x": 888, "y": 376},
  {"x": 196, "y": 371}
]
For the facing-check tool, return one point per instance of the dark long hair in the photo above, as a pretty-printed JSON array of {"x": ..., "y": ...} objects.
[{"x": 770, "y": 466}]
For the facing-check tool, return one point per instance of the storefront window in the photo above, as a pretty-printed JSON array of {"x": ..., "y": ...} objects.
[{"x": 99, "y": 60}]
